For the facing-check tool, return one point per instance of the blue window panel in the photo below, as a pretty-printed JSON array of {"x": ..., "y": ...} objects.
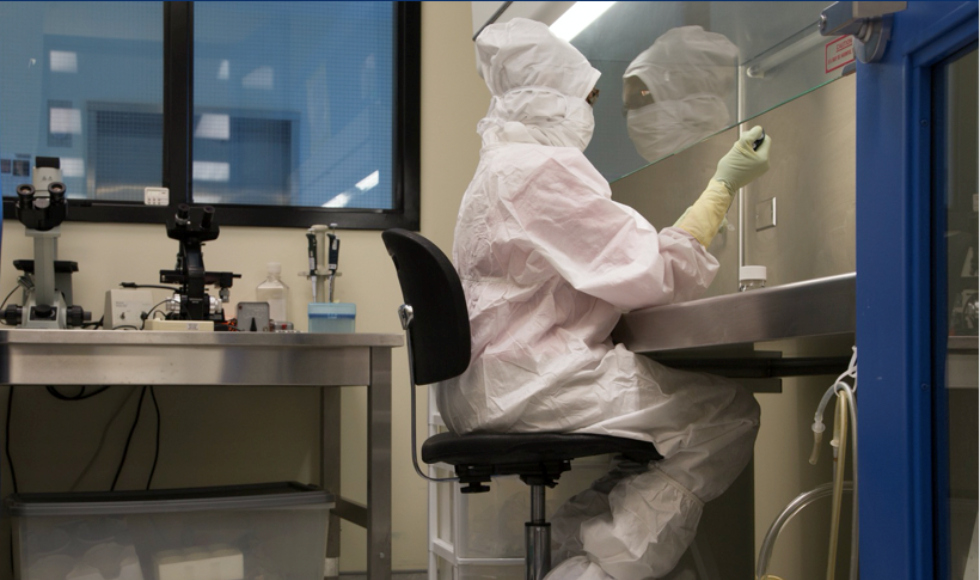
[
  {"x": 62, "y": 72},
  {"x": 306, "y": 88},
  {"x": 294, "y": 106}
]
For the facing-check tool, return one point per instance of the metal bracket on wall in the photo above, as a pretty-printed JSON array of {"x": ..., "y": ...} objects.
[{"x": 868, "y": 22}]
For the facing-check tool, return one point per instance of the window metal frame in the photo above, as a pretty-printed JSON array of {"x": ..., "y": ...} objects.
[{"x": 178, "y": 112}]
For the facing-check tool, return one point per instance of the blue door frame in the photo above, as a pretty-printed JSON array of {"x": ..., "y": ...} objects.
[{"x": 895, "y": 311}]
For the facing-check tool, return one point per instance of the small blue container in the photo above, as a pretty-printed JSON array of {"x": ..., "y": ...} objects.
[{"x": 331, "y": 316}]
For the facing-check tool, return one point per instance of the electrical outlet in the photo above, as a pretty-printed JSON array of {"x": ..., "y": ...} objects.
[{"x": 156, "y": 196}]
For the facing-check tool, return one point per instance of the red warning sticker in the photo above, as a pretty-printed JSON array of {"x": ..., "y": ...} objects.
[{"x": 839, "y": 52}]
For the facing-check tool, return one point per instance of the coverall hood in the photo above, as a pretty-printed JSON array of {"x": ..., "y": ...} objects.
[{"x": 538, "y": 84}]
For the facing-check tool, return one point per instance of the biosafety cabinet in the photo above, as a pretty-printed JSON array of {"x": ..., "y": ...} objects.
[{"x": 866, "y": 226}]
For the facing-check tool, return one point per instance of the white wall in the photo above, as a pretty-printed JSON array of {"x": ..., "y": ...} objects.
[{"x": 214, "y": 436}]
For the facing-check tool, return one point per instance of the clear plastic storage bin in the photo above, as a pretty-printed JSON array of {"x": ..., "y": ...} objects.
[
  {"x": 249, "y": 532},
  {"x": 510, "y": 570}
]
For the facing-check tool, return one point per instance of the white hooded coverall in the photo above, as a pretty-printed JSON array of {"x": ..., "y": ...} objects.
[{"x": 548, "y": 263}]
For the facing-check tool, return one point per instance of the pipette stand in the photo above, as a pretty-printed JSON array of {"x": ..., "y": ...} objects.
[
  {"x": 325, "y": 315},
  {"x": 324, "y": 274}
]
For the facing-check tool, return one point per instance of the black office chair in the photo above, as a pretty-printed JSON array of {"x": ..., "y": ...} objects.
[{"x": 437, "y": 328}]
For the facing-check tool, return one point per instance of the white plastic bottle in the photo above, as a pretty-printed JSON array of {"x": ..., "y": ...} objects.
[
  {"x": 275, "y": 292},
  {"x": 751, "y": 278}
]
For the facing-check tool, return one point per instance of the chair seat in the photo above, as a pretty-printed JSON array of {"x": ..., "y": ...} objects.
[{"x": 479, "y": 449}]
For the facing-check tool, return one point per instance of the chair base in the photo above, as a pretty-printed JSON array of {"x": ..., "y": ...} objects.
[
  {"x": 545, "y": 473},
  {"x": 537, "y": 537}
]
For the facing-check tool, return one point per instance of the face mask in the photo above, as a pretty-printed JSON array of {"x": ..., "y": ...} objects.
[
  {"x": 538, "y": 115},
  {"x": 577, "y": 128},
  {"x": 662, "y": 128}
]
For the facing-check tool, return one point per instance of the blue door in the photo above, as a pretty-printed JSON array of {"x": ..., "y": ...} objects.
[{"x": 916, "y": 255}]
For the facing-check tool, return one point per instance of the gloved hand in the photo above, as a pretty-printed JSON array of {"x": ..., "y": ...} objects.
[
  {"x": 741, "y": 165},
  {"x": 735, "y": 170}
]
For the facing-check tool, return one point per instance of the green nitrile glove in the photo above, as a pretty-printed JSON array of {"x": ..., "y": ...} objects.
[{"x": 741, "y": 165}]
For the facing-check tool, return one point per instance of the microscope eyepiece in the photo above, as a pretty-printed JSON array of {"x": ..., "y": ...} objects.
[
  {"x": 207, "y": 218},
  {"x": 25, "y": 190},
  {"x": 182, "y": 219},
  {"x": 57, "y": 190}
]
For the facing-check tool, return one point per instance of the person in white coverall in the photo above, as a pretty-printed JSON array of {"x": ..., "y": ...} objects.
[{"x": 548, "y": 262}]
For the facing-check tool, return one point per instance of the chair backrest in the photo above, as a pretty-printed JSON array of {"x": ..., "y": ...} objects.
[{"x": 440, "y": 330}]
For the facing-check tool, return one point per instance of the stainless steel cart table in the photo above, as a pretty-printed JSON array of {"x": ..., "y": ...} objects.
[{"x": 74, "y": 357}]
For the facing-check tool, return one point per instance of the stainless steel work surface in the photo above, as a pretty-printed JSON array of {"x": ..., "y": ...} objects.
[
  {"x": 98, "y": 357},
  {"x": 824, "y": 306},
  {"x": 102, "y": 357}
]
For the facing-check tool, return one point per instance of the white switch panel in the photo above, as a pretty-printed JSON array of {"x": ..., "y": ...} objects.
[
  {"x": 765, "y": 214},
  {"x": 156, "y": 196}
]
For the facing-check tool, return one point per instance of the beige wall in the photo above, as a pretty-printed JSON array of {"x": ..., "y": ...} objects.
[{"x": 216, "y": 436}]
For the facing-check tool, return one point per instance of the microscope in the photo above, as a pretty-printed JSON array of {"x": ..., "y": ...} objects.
[
  {"x": 41, "y": 206},
  {"x": 191, "y": 300}
]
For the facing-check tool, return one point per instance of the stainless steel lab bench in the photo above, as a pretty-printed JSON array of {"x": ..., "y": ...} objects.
[
  {"x": 98, "y": 357},
  {"x": 718, "y": 334}
]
